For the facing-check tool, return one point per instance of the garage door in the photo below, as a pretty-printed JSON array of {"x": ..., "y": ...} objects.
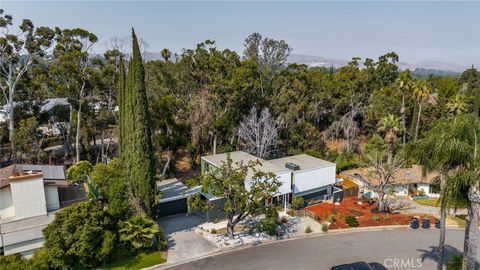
[{"x": 173, "y": 207}]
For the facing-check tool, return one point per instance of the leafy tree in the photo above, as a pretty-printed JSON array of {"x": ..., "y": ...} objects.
[
  {"x": 137, "y": 151},
  {"x": 19, "y": 53},
  {"x": 79, "y": 236},
  {"x": 79, "y": 172},
  {"x": 75, "y": 74},
  {"x": 111, "y": 183},
  {"x": 27, "y": 141},
  {"x": 139, "y": 231},
  {"x": 242, "y": 197},
  {"x": 269, "y": 54},
  {"x": 457, "y": 106}
]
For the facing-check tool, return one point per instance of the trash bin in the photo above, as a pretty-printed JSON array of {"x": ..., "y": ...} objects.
[
  {"x": 437, "y": 223},
  {"x": 426, "y": 223},
  {"x": 414, "y": 224}
]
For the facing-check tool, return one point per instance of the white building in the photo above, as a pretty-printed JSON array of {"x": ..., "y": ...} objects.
[
  {"x": 300, "y": 175},
  {"x": 29, "y": 194}
]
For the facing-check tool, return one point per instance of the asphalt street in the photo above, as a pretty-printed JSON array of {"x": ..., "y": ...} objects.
[{"x": 396, "y": 249}]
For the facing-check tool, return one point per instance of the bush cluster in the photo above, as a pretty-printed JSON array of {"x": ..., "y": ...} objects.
[{"x": 351, "y": 221}]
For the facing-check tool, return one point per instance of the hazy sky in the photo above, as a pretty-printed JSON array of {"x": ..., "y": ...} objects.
[{"x": 442, "y": 31}]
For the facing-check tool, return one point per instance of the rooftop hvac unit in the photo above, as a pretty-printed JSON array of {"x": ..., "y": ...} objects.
[{"x": 292, "y": 166}]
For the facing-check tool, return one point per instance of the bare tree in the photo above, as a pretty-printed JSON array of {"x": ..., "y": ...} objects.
[
  {"x": 385, "y": 170},
  {"x": 259, "y": 134}
]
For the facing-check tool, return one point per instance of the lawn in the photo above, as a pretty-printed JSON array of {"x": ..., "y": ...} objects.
[
  {"x": 435, "y": 203},
  {"x": 140, "y": 261},
  {"x": 427, "y": 201},
  {"x": 459, "y": 220}
]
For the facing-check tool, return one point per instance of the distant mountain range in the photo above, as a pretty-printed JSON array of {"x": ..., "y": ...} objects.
[
  {"x": 434, "y": 66},
  {"x": 423, "y": 67}
]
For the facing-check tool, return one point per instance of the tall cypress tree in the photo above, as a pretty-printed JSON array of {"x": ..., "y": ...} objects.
[
  {"x": 135, "y": 132},
  {"x": 121, "y": 102}
]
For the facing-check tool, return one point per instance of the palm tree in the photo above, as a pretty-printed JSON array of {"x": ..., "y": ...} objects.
[
  {"x": 457, "y": 106},
  {"x": 421, "y": 92},
  {"x": 390, "y": 126},
  {"x": 404, "y": 84},
  {"x": 166, "y": 54},
  {"x": 434, "y": 153},
  {"x": 457, "y": 149},
  {"x": 462, "y": 140},
  {"x": 140, "y": 231}
]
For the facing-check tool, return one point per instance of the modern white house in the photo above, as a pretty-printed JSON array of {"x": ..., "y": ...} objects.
[
  {"x": 29, "y": 195},
  {"x": 300, "y": 175}
]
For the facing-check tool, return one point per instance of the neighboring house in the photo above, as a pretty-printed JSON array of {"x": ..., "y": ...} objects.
[
  {"x": 406, "y": 182},
  {"x": 29, "y": 194}
]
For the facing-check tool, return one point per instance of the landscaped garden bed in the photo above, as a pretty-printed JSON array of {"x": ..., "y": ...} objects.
[{"x": 364, "y": 214}]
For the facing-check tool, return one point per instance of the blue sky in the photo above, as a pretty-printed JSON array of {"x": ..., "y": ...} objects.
[{"x": 417, "y": 31}]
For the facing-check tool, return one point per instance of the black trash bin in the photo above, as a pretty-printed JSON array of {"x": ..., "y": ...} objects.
[
  {"x": 437, "y": 223},
  {"x": 426, "y": 223},
  {"x": 414, "y": 223}
]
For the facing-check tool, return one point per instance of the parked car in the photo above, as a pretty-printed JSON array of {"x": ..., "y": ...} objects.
[{"x": 359, "y": 266}]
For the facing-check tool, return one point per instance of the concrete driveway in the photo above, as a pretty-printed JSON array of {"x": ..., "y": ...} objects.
[{"x": 183, "y": 242}]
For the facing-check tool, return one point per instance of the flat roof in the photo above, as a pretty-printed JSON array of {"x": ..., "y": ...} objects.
[
  {"x": 172, "y": 189},
  {"x": 240, "y": 156},
  {"x": 53, "y": 174},
  {"x": 305, "y": 162}
]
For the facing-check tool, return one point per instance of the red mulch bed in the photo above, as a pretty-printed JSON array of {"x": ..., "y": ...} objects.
[{"x": 363, "y": 213}]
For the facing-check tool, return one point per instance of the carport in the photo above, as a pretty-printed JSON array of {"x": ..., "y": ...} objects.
[{"x": 174, "y": 196}]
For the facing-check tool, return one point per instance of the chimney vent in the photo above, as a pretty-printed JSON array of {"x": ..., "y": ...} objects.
[{"x": 292, "y": 166}]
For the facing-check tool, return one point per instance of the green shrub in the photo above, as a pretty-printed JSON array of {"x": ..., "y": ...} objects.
[
  {"x": 139, "y": 231},
  {"x": 291, "y": 212},
  {"x": 193, "y": 182},
  {"x": 351, "y": 221},
  {"x": 308, "y": 230},
  {"x": 332, "y": 218},
  {"x": 213, "y": 231},
  {"x": 298, "y": 202},
  {"x": 80, "y": 236},
  {"x": 325, "y": 228},
  {"x": 455, "y": 263},
  {"x": 269, "y": 225},
  {"x": 375, "y": 218},
  {"x": 317, "y": 218},
  {"x": 79, "y": 172},
  {"x": 421, "y": 192}
]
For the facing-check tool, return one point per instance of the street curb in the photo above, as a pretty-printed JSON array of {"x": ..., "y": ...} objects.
[{"x": 307, "y": 236}]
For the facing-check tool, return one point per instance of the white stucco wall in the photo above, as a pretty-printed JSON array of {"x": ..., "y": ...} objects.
[
  {"x": 285, "y": 178},
  {"x": 28, "y": 198},
  {"x": 51, "y": 196},
  {"x": 426, "y": 189},
  {"x": 6, "y": 204},
  {"x": 312, "y": 179}
]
